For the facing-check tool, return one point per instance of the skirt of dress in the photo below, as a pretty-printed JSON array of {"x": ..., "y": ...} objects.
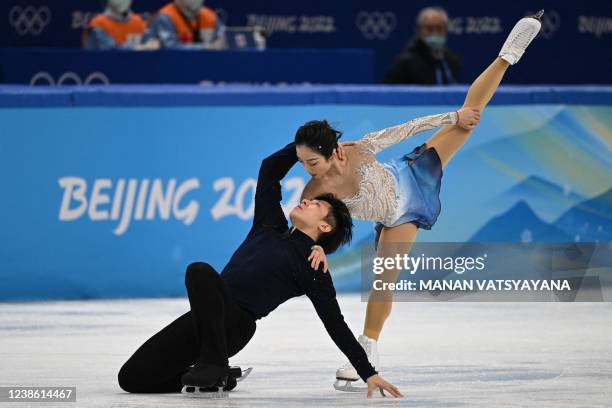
[{"x": 418, "y": 177}]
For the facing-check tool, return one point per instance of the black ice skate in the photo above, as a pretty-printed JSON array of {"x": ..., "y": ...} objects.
[{"x": 212, "y": 380}]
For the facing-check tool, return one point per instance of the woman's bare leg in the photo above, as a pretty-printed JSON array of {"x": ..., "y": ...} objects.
[
  {"x": 447, "y": 142},
  {"x": 393, "y": 241},
  {"x": 450, "y": 138},
  {"x": 398, "y": 240}
]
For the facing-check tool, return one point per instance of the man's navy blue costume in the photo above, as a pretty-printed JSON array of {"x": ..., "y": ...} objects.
[{"x": 268, "y": 268}]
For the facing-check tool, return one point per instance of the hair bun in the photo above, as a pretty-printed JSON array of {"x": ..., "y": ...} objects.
[{"x": 319, "y": 136}]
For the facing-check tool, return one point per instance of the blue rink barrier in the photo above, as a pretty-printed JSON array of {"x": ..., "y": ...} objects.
[
  {"x": 112, "y": 191},
  {"x": 247, "y": 95}
]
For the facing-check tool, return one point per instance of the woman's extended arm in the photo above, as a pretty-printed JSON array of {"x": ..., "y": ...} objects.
[{"x": 379, "y": 140}]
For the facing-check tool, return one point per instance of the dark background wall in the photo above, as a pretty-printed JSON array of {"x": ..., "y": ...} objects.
[{"x": 575, "y": 44}]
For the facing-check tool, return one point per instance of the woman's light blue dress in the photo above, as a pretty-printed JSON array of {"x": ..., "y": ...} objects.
[{"x": 418, "y": 177}]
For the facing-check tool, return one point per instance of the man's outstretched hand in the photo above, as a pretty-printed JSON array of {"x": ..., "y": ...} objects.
[{"x": 376, "y": 381}]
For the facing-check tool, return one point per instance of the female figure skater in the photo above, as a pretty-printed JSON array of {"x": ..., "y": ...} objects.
[{"x": 403, "y": 195}]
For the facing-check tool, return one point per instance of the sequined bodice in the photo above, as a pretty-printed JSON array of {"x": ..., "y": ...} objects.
[{"x": 376, "y": 198}]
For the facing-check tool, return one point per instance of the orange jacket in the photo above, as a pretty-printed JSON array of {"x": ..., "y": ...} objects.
[
  {"x": 118, "y": 30},
  {"x": 186, "y": 31}
]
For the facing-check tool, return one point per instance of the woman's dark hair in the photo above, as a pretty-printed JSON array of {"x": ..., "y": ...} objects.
[
  {"x": 341, "y": 222},
  {"x": 319, "y": 136}
]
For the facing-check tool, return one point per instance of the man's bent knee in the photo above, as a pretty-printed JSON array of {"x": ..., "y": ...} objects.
[
  {"x": 199, "y": 271},
  {"x": 127, "y": 380}
]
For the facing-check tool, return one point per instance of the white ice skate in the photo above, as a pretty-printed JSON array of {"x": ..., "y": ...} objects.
[
  {"x": 524, "y": 31},
  {"x": 347, "y": 372}
]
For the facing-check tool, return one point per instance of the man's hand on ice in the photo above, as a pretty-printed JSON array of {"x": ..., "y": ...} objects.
[{"x": 376, "y": 381}]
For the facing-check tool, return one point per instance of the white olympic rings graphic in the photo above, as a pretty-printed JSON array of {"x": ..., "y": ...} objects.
[
  {"x": 29, "y": 20},
  {"x": 376, "y": 25},
  {"x": 69, "y": 78}
]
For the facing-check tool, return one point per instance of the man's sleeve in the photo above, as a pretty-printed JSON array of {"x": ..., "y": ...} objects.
[
  {"x": 268, "y": 195},
  {"x": 321, "y": 292}
]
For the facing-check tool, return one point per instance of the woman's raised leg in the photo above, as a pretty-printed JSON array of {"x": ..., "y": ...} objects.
[{"x": 449, "y": 139}]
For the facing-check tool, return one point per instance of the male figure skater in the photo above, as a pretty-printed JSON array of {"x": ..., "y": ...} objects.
[{"x": 268, "y": 268}]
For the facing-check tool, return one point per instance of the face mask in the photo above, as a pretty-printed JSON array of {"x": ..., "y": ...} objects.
[
  {"x": 120, "y": 6},
  {"x": 435, "y": 42}
]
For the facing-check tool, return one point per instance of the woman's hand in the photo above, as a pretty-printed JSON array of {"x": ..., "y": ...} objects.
[
  {"x": 468, "y": 118},
  {"x": 376, "y": 381},
  {"x": 316, "y": 257}
]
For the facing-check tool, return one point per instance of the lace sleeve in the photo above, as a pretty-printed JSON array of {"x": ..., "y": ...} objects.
[{"x": 374, "y": 142}]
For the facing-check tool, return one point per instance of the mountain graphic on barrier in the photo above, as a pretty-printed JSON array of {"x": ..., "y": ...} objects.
[
  {"x": 544, "y": 196},
  {"x": 591, "y": 220},
  {"x": 552, "y": 159},
  {"x": 519, "y": 224},
  {"x": 587, "y": 221}
]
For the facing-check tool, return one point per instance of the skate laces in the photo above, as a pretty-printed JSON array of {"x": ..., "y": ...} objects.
[{"x": 523, "y": 37}]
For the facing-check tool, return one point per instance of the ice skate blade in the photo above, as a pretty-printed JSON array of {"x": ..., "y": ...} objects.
[
  {"x": 202, "y": 392},
  {"x": 245, "y": 374},
  {"x": 348, "y": 386}
]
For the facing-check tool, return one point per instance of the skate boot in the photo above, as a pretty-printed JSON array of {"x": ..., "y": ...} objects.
[
  {"x": 348, "y": 373},
  {"x": 212, "y": 381},
  {"x": 205, "y": 379},
  {"x": 524, "y": 31}
]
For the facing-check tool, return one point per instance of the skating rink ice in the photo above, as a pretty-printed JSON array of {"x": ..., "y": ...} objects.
[{"x": 438, "y": 354}]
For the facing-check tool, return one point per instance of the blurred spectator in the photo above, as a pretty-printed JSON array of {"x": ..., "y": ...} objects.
[
  {"x": 426, "y": 59},
  {"x": 188, "y": 24},
  {"x": 117, "y": 27}
]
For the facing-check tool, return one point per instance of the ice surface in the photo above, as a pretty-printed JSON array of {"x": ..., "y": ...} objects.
[{"x": 438, "y": 354}]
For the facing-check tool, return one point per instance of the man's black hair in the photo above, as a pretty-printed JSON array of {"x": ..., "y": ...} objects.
[{"x": 341, "y": 222}]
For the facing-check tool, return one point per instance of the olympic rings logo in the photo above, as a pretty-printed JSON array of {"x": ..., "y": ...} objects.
[
  {"x": 69, "y": 78},
  {"x": 376, "y": 25},
  {"x": 29, "y": 20}
]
